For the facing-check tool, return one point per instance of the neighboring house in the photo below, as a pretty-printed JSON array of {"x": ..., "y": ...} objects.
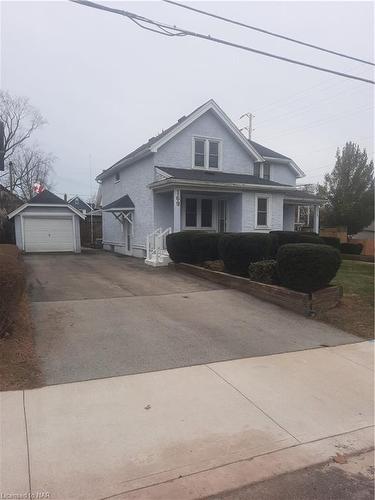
[
  {"x": 47, "y": 224},
  {"x": 81, "y": 205},
  {"x": 91, "y": 227},
  {"x": 200, "y": 173}
]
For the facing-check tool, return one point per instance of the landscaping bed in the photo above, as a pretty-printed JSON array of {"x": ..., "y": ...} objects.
[
  {"x": 308, "y": 304},
  {"x": 19, "y": 368}
]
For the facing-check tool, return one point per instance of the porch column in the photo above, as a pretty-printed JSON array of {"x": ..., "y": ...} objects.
[
  {"x": 316, "y": 219},
  {"x": 176, "y": 210}
]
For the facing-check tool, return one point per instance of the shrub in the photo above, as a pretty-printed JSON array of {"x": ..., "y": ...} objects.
[
  {"x": 351, "y": 248},
  {"x": 204, "y": 246},
  {"x": 179, "y": 246},
  {"x": 280, "y": 238},
  {"x": 331, "y": 241},
  {"x": 239, "y": 250},
  {"x": 264, "y": 272},
  {"x": 12, "y": 285},
  {"x": 307, "y": 267},
  {"x": 193, "y": 246}
]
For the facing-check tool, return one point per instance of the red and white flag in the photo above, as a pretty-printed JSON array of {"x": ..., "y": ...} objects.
[{"x": 38, "y": 188}]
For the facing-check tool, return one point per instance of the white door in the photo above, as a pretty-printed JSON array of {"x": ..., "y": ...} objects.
[{"x": 47, "y": 234}]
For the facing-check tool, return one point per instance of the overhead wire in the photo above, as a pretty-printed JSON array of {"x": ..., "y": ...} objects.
[
  {"x": 268, "y": 32},
  {"x": 180, "y": 31}
]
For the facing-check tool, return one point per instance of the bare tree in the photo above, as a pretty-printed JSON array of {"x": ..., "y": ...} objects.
[
  {"x": 29, "y": 166},
  {"x": 20, "y": 120},
  {"x": 26, "y": 164}
]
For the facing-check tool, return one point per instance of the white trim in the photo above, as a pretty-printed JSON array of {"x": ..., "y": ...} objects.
[
  {"x": 206, "y": 154},
  {"x": 210, "y": 105},
  {"x": 45, "y": 205},
  {"x": 269, "y": 211}
]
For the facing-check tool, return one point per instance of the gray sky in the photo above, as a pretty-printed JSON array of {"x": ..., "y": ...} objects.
[{"x": 105, "y": 86}]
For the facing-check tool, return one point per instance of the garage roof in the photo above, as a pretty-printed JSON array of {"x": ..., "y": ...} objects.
[{"x": 46, "y": 199}]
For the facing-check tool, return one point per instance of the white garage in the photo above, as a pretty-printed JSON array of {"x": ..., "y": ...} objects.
[{"x": 47, "y": 224}]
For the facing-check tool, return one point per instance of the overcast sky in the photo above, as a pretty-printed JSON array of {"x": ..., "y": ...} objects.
[{"x": 105, "y": 86}]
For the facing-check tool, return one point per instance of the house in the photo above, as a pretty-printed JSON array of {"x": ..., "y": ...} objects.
[
  {"x": 47, "y": 224},
  {"x": 81, "y": 205},
  {"x": 200, "y": 173},
  {"x": 91, "y": 227}
]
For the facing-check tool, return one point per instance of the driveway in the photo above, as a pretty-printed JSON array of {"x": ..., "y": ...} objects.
[{"x": 100, "y": 315}]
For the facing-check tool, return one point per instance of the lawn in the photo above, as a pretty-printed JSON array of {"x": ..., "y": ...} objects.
[{"x": 355, "y": 314}]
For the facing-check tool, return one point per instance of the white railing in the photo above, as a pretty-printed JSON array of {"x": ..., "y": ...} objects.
[{"x": 156, "y": 246}]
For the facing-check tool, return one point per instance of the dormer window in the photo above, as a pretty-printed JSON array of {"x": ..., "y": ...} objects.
[
  {"x": 117, "y": 177},
  {"x": 262, "y": 170},
  {"x": 206, "y": 153}
]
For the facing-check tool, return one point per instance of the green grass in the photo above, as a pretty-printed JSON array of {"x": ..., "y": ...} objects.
[
  {"x": 355, "y": 313},
  {"x": 357, "y": 278}
]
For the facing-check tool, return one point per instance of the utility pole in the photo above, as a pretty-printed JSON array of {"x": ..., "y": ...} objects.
[
  {"x": 10, "y": 176},
  {"x": 249, "y": 127}
]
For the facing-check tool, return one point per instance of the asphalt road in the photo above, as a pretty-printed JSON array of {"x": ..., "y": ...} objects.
[
  {"x": 99, "y": 315},
  {"x": 353, "y": 480}
]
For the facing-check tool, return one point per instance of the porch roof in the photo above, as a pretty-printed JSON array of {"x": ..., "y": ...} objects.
[
  {"x": 123, "y": 203},
  {"x": 300, "y": 197},
  {"x": 202, "y": 175}
]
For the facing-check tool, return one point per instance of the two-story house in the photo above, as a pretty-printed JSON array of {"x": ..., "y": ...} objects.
[{"x": 200, "y": 173}]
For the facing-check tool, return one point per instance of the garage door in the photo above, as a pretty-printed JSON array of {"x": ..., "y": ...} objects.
[{"x": 46, "y": 234}]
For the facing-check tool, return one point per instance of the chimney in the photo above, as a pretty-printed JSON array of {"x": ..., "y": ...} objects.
[{"x": 65, "y": 197}]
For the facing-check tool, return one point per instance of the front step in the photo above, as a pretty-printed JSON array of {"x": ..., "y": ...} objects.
[{"x": 162, "y": 260}]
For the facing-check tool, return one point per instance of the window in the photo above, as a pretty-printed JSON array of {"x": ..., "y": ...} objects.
[
  {"x": 262, "y": 211},
  {"x": 198, "y": 213},
  {"x": 191, "y": 212},
  {"x": 117, "y": 176},
  {"x": 213, "y": 160},
  {"x": 206, "y": 213},
  {"x": 206, "y": 153},
  {"x": 262, "y": 170},
  {"x": 266, "y": 171},
  {"x": 199, "y": 153}
]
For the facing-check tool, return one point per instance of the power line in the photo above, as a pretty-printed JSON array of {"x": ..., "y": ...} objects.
[
  {"x": 168, "y": 30},
  {"x": 267, "y": 32}
]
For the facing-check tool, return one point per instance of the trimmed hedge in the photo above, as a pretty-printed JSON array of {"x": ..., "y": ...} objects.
[
  {"x": 331, "y": 241},
  {"x": 193, "y": 246},
  {"x": 264, "y": 271},
  {"x": 351, "y": 248},
  {"x": 280, "y": 238},
  {"x": 307, "y": 267},
  {"x": 12, "y": 285},
  {"x": 239, "y": 250}
]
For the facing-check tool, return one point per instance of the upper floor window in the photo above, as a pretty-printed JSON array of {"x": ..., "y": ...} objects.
[
  {"x": 117, "y": 176},
  {"x": 262, "y": 170},
  {"x": 206, "y": 153}
]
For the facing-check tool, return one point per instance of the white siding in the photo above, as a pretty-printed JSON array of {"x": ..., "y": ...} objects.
[{"x": 249, "y": 208}]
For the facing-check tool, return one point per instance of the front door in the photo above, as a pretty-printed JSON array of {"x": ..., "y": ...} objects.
[
  {"x": 127, "y": 228},
  {"x": 222, "y": 216}
]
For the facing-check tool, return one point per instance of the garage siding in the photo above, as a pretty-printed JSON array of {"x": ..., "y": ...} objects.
[{"x": 48, "y": 213}]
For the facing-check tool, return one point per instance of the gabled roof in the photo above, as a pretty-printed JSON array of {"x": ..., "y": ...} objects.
[
  {"x": 266, "y": 152},
  {"x": 81, "y": 205},
  {"x": 152, "y": 145},
  {"x": 212, "y": 176},
  {"x": 123, "y": 203},
  {"x": 46, "y": 197}
]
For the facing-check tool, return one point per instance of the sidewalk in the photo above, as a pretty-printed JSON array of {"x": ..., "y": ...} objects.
[{"x": 188, "y": 432}]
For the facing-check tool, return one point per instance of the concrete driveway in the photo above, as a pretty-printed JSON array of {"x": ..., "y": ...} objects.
[{"x": 100, "y": 315}]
